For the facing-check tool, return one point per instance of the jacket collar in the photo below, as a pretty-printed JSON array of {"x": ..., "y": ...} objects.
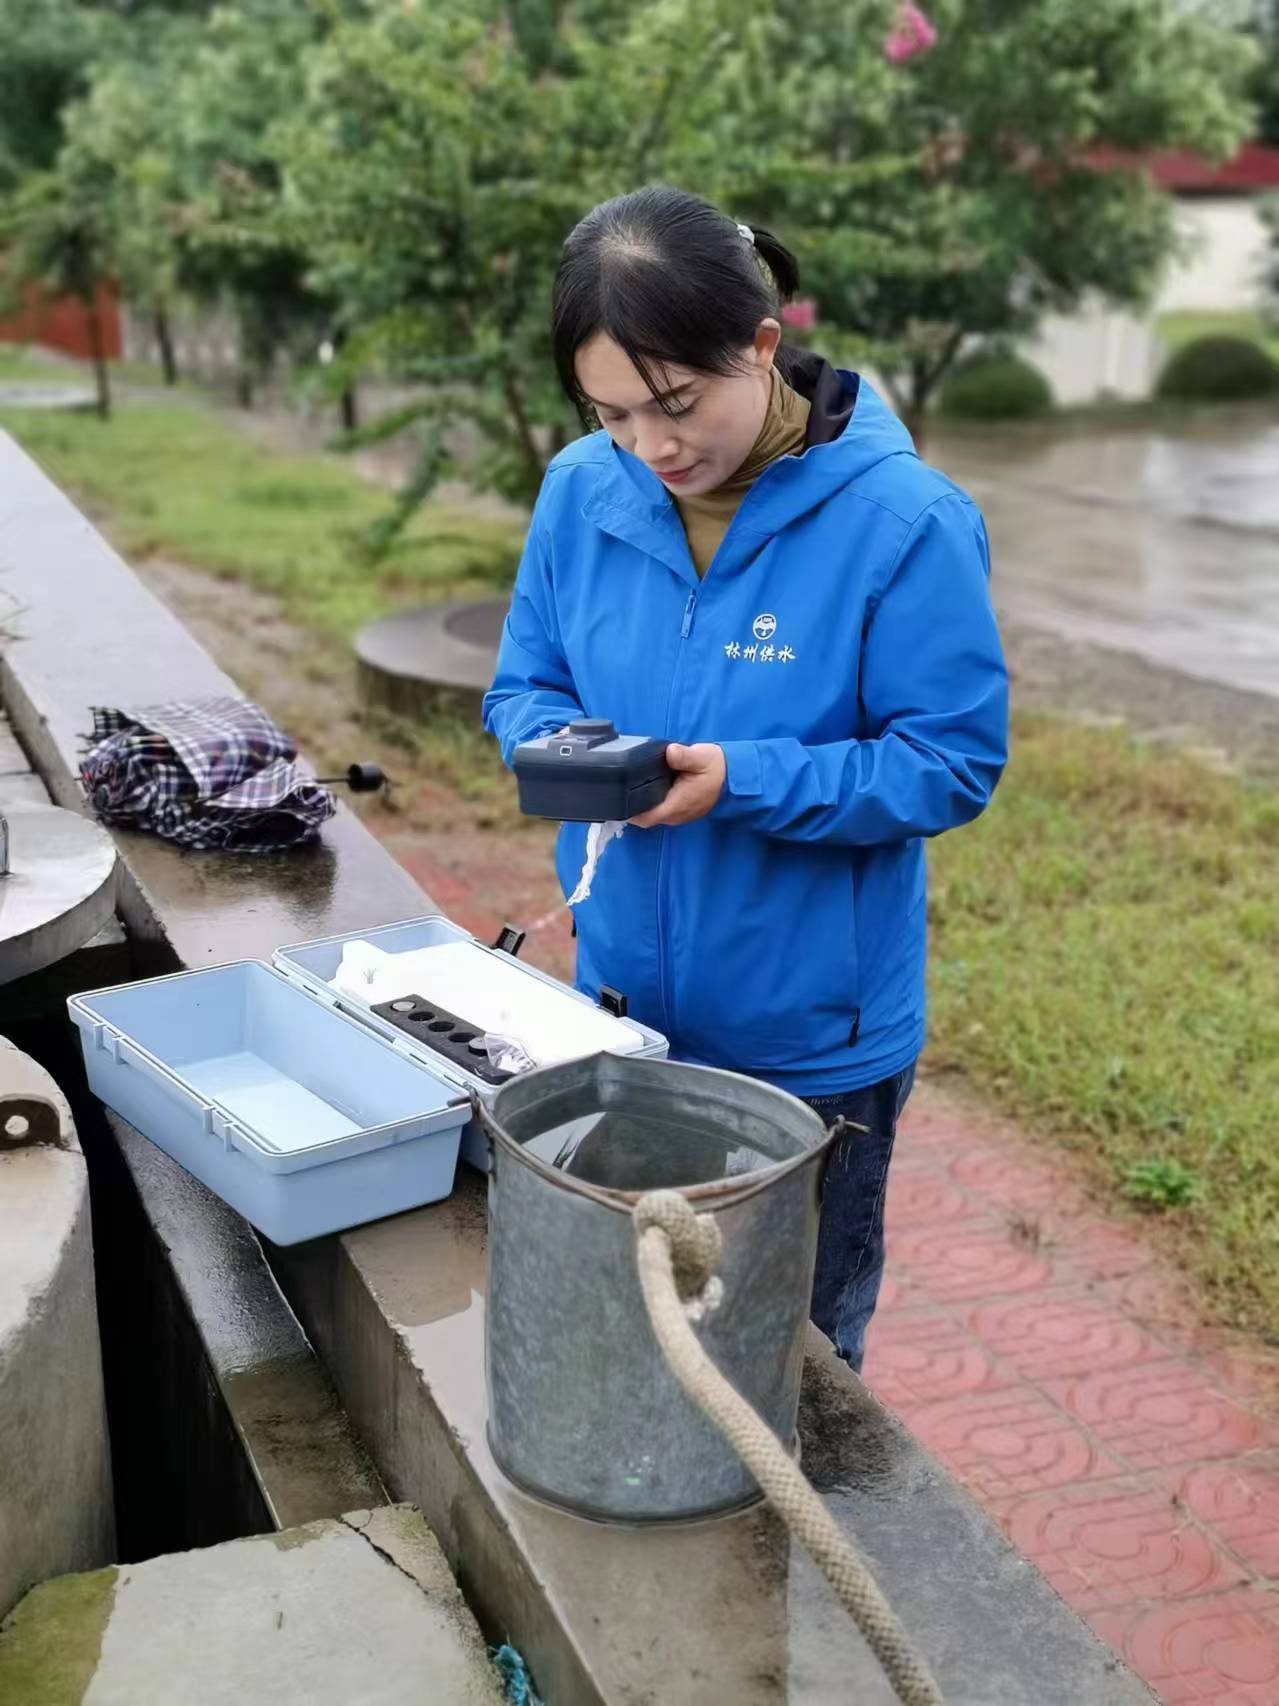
[{"x": 854, "y": 430}]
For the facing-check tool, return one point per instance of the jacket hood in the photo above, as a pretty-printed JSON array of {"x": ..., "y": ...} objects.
[{"x": 865, "y": 433}]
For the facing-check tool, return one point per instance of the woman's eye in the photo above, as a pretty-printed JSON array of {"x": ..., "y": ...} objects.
[{"x": 677, "y": 411}]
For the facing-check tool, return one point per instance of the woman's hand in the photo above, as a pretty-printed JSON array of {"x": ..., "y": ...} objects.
[{"x": 700, "y": 772}]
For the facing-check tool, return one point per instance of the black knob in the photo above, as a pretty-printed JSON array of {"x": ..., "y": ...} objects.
[
  {"x": 593, "y": 728},
  {"x": 365, "y": 778}
]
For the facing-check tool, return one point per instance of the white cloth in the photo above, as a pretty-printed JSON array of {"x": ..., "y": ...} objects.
[{"x": 598, "y": 837}]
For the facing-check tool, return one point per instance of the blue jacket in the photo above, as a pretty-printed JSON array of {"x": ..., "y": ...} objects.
[{"x": 843, "y": 652}]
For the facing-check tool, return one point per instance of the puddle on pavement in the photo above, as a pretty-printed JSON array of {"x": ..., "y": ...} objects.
[{"x": 1162, "y": 544}]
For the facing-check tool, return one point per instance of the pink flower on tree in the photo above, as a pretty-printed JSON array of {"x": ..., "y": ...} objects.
[
  {"x": 802, "y": 315},
  {"x": 912, "y": 34}
]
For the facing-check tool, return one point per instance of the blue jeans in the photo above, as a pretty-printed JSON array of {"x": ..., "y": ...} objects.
[{"x": 850, "y": 1240}]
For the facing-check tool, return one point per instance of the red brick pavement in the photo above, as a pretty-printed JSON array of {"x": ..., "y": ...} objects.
[
  {"x": 1046, "y": 1355},
  {"x": 1042, "y": 1351}
]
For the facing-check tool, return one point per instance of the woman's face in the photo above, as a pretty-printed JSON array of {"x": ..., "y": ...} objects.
[{"x": 709, "y": 424}]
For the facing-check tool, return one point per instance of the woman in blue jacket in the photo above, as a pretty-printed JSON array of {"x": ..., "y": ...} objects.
[{"x": 750, "y": 560}]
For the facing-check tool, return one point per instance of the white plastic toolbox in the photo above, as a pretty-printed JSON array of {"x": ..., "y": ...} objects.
[
  {"x": 300, "y": 1107},
  {"x": 315, "y": 964}
]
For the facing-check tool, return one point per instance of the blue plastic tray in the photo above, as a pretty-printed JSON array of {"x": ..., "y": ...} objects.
[{"x": 298, "y": 1115}]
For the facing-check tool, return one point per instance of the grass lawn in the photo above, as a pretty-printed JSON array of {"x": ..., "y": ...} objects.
[
  {"x": 1178, "y": 329},
  {"x": 174, "y": 479},
  {"x": 1106, "y": 938},
  {"x": 1106, "y": 965},
  {"x": 19, "y": 366}
]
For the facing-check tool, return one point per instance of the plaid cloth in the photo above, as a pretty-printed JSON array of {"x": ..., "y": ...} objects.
[{"x": 213, "y": 773}]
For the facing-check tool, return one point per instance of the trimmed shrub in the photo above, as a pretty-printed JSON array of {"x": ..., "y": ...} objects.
[
  {"x": 996, "y": 387},
  {"x": 1219, "y": 369}
]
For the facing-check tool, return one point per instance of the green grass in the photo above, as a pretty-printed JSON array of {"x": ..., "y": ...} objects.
[
  {"x": 177, "y": 480},
  {"x": 1183, "y": 328},
  {"x": 20, "y": 366},
  {"x": 1106, "y": 966}
]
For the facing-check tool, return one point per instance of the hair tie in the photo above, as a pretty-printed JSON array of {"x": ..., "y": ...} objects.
[{"x": 747, "y": 233}]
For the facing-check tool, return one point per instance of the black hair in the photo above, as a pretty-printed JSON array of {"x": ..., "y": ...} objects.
[{"x": 671, "y": 279}]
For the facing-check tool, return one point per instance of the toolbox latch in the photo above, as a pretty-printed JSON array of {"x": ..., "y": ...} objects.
[
  {"x": 510, "y": 940},
  {"x": 614, "y": 1002}
]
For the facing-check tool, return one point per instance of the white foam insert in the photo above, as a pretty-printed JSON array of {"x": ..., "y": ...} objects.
[{"x": 491, "y": 994}]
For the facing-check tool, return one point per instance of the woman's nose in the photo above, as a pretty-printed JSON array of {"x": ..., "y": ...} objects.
[{"x": 655, "y": 443}]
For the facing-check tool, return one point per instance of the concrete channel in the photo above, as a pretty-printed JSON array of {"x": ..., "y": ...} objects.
[
  {"x": 259, "y": 1392},
  {"x": 56, "y": 1508}
]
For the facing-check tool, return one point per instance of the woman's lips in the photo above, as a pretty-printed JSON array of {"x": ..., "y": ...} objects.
[{"x": 677, "y": 476}]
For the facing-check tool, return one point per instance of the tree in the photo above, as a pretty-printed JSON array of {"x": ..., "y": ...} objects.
[
  {"x": 122, "y": 132},
  {"x": 56, "y": 232},
  {"x": 951, "y": 191},
  {"x": 1270, "y": 265},
  {"x": 1265, "y": 88},
  {"x": 1028, "y": 123},
  {"x": 442, "y": 154},
  {"x": 246, "y": 67},
  {"x": 47, "y": 48},
  {"x": 137, "y": 127},
  {"x": 174, "y": 132}
]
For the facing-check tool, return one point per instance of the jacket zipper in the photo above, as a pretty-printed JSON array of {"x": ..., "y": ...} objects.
[{"x": 663, "y": 970}]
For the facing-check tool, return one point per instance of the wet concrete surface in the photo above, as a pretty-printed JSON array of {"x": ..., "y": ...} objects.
[
  {"x": 104, "y": 957},
  {"x": 359, "y": 1608},
  {"x": 1161, "y": 542},
  {"x": 55, "y": 1482},
  {"x": 700, "y": 1613},
  {"x": 194, "y": 1311},
  {"x": 299, "y": 1446},
  {"x": 1220, "y": 726},
  {"x": 405, "y": 659},
  {"x": 58, "y": 891},
  {"x": 66, "y": 656}
]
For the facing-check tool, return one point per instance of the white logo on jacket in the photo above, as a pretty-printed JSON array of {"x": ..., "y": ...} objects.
[{"x": 763, "y": 651}]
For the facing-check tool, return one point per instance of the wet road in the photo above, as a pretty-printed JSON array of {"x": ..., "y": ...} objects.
[{"x": 1160, "y": 544}]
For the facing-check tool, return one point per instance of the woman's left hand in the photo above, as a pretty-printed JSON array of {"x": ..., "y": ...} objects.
[{"x": 700, "y": 772}]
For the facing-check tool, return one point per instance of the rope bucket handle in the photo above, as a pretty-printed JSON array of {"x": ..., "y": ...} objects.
[{"x": 678, "y": 1251}]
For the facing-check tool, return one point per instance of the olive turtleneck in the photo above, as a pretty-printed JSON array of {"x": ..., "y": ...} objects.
[{"x": 706, "y": 518}]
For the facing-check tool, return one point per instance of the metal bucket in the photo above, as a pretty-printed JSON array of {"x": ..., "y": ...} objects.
[{"x": 583, "y": 1411}]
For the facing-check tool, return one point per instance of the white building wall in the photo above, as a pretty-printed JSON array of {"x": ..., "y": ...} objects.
[
  {"x": 1099, "y": 352},
  {"x": 1225, "y": 245},
  {"x": 1102, "y": 352}
]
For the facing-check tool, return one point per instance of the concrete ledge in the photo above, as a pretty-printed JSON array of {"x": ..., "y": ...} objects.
[
  {"x": 410, "y": 660},
  {"x": 290, "y": 1455},
  {"x": 721, "y": 1611},
  {"x": 55, "y": 1483},
  {"x": 91, "y": 634},
  {"x": 101, "y": 961},
  {"x": 357, "y": 1609},
  {"x": 191, "y": 1306}
]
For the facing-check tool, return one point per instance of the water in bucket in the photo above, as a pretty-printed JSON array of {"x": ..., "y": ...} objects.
[{"x": 626, "y": 1150}]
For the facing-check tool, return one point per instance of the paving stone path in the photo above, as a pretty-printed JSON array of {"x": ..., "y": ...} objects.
[{"x": 1048, "y": 1357}]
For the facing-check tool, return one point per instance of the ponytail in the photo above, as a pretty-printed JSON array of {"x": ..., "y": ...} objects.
[{"x": 782, "y": 266}]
